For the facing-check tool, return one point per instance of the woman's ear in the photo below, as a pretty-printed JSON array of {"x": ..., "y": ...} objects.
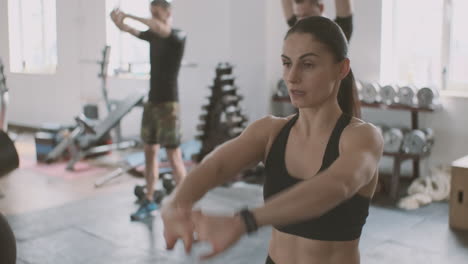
[{"x": 345, "y": 67}]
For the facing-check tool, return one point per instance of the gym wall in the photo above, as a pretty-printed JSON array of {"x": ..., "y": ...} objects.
[{"x": 247, "y": 33}]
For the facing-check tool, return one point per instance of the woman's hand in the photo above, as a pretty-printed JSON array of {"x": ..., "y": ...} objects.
[
  {"x": 220, "y": 231},
  {"x": 177, "y": 225}
]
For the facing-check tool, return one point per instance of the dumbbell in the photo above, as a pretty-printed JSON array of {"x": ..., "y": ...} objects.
[
  {"x": 231, "y": 99},
  {"x": 232, "y": 110},
  {"x": 207, "y": 107},
  {"x": 370, "y": 92},
  {"x": 407, "y": 95},
  {"x": 427, "y": 97},
  {"x": 235, "y": 120},
  {"x": 203, "y": 117},
  {"x": 139, "y": 192},
  {"x": 228, "y": 89},
  {"x": 223, "y": 68},
  {"x": 388, "y": 94},
  {"x": 201, "y": 137},
  {"x": 224, "y": 80},
  {"x": 282, "y": 89},
  {"x": 393, "y": 139},
  {"x": 168, "y": 182},
  {"x": 418, "y": 141},
  {"x": 202, "y": 127}
]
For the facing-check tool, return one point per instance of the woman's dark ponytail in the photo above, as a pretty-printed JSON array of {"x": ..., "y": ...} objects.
[{"x": 348, "y": 98}]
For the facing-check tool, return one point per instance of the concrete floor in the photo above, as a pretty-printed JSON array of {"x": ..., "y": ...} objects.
[{"x": 66, "y": 220}]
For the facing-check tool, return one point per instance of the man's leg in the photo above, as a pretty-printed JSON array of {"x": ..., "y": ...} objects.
[
  {"x": 151, "y": 175},
  {"x": 151, "y": 169},
  {"x": 170, "y": 138},
  {"x": 178, "y": 168},
  {"x": 149, "y": 136}
]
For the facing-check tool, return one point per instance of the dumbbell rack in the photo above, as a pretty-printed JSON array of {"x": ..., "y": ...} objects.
[
  {"x": 399, "y": 158},
  {"x": 222, "y": 118}
]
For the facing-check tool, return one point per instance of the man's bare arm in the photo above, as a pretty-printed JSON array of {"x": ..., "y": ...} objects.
[
  {"x": 118, "y": 17},
  {"x": 155, "y": 25},
  {"x": 344, "y": 8},
  {"x": 287, "y": 8}
]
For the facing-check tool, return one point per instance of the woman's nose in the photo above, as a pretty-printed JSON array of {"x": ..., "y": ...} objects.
[{"x": 293, "y": 75}]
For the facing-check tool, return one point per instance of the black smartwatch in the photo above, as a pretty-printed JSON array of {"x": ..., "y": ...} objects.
[{"x": 249, "y": 220}]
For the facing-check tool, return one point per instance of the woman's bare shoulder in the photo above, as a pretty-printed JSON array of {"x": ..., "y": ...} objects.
[
  {"x": 361, "y": 131},
  {"x": 271, "y": 124}
]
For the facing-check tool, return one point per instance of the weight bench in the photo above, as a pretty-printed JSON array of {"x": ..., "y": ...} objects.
[{"x": 83, "y": 138}]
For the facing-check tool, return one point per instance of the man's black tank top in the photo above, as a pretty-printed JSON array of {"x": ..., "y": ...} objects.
[{"x": 342, "y": 223}]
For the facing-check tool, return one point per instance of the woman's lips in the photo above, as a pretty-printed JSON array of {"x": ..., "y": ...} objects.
[{"x": 297, "y": 93}]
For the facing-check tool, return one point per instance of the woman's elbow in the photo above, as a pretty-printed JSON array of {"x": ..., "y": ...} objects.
[{"x": 347, "y": 188}]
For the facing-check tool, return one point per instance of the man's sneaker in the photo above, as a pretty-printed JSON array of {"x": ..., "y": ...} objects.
[{"x": 144, "y": 211}]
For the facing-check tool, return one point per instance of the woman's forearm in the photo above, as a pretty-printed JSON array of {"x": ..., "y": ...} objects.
[
  {"x": 208, "y": 175},
  {"x": 309, "y": 199},
  {"x": 224, "y": 163},
  {"x": 195, "y": 185}
]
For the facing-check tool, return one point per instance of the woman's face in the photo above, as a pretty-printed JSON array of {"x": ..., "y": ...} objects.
[{"x": 310, "y": 70}]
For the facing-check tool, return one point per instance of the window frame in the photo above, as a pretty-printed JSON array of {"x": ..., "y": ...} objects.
[
  {"x": 120, "y": 61},
  {"x": 19, "y": 67},
  {"x": 388, "y": 48}
]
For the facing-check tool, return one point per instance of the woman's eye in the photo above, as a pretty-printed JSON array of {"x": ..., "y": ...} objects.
[
  {"x": 308, "y": 64},
  {"x": 286, "y": 64}
]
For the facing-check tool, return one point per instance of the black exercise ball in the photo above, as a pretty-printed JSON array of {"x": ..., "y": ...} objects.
[
  {"x": 9, "y": 159},
  {"x": 7, "y": 243}
]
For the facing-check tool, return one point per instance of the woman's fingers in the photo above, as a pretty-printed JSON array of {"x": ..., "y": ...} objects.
[
  {"x": 170, "y": 239},
  {"x": 177, "y": 224},
  {"x": 188, "y": 240}
]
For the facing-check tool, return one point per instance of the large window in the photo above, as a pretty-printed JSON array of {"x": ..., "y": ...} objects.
[
  {"x": 32, "y": 36},
  {"x": 424, "y": 43},
  {"x": 458, "y": 47},
  {"x": 129, "y": 55}
]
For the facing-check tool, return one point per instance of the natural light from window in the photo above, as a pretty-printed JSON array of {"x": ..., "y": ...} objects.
[
  {"x": 129, "y": 55},
  {"x": 32, "y": 36},
  {"x": 411, "y": 42},
  {"x": 458, "y": 58}
]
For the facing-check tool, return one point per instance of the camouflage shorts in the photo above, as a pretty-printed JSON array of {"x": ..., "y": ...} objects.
[{"x": 160, "y": 124}]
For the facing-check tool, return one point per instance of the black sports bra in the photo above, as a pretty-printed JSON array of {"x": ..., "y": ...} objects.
[{"x": 342, "y": 223}]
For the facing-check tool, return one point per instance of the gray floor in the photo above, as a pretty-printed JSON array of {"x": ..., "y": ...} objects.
[{"x": 99, "y": 231}]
